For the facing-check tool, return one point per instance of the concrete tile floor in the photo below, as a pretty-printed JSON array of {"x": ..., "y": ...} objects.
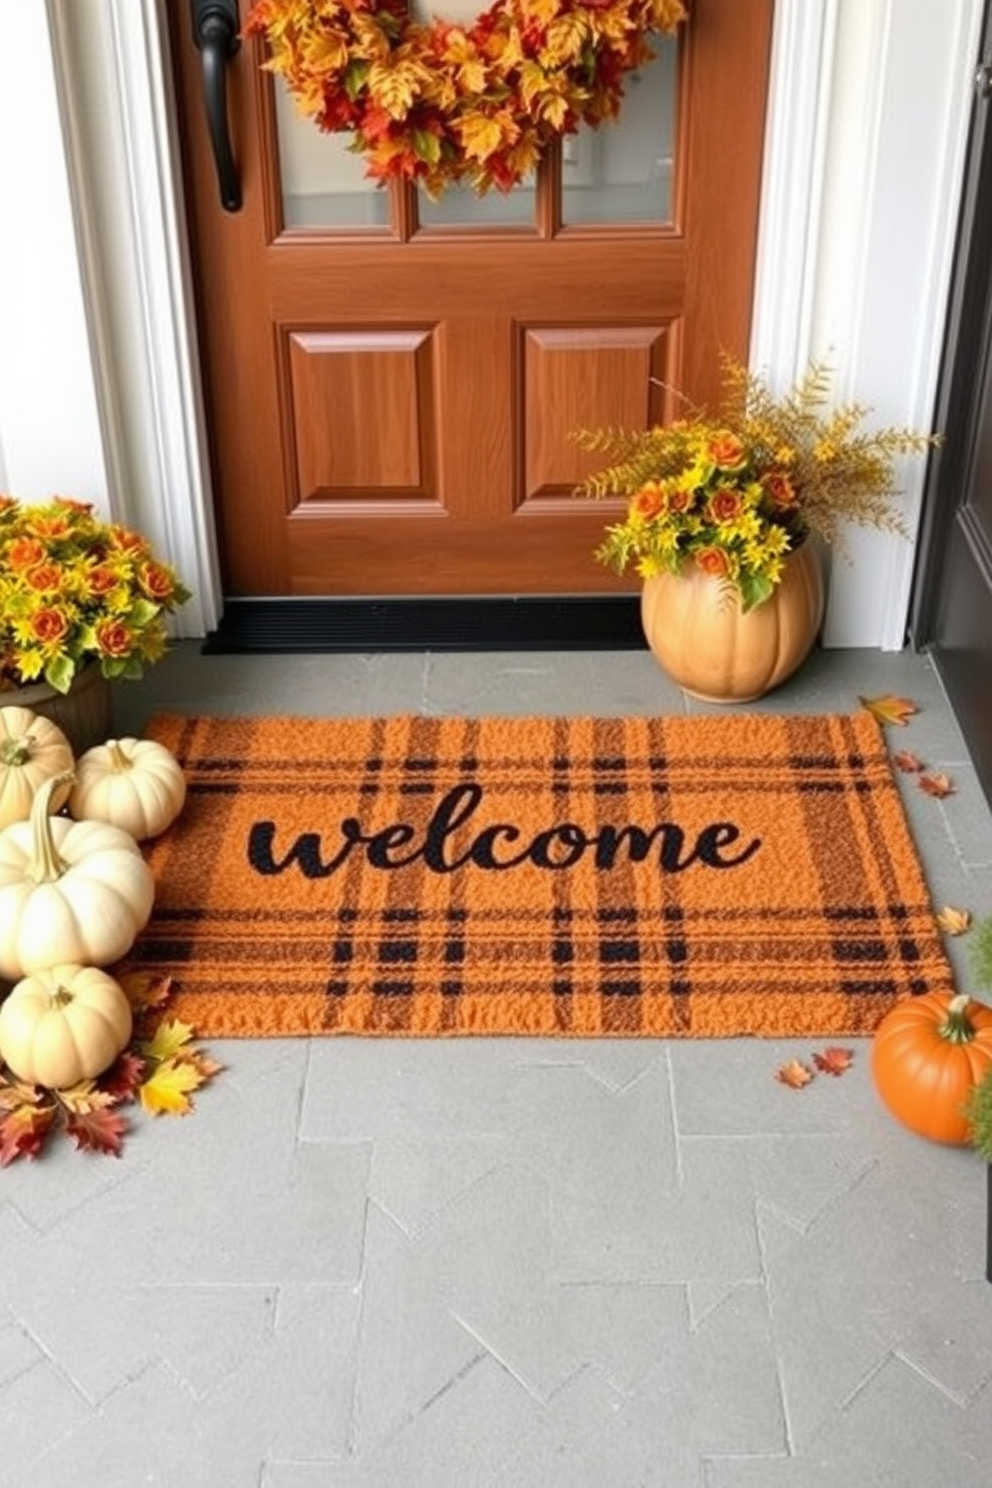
[{"x": 511, "y": 1263}]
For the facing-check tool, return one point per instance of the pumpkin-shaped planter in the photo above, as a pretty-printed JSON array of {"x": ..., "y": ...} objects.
[
  {"x": 70, "y": 892},
  {"x": 696, "y": 628},
  {"x": 64, "y": 1025},
  {"x": 32, "y": 749},
  {"x": 928, "y": 1055},
  {"x": 135, "y": 784}
]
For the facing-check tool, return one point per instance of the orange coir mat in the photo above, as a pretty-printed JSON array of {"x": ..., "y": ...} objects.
[{"x": 676, "y": 876}]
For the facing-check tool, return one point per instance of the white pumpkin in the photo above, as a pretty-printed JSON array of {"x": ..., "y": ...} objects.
[
  {"x": 136, "y": 784},
  {"x": 64, "y": 1025},
  {"x": 69, "y": 891},
  {"x": 31, "y": 749}
]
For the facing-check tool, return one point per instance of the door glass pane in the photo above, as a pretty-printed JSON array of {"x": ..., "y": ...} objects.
[
  {"x": 622, "y": 172},
  {"x": 460, "y": 206},
  {"x": 323, "y": 182}
]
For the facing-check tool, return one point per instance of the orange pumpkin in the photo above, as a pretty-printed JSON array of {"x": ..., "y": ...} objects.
[
  {"x": 929, "y": 1053},
  {"x": 712, "y": 649}
]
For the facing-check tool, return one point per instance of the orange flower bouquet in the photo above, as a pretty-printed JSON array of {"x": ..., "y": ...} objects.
[
  {"x": 737, "y": 491},
  {"x": 75, "y": 589}
]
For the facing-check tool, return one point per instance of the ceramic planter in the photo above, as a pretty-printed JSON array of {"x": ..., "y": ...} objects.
[{"x": 699, "y": 634}]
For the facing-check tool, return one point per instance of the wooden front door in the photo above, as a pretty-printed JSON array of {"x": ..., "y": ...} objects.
[
  {"x": 390, "y": 403},
  {"x": 953, "y": 603}
]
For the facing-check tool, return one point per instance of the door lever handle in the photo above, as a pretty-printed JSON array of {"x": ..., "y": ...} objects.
[{"x": 215, "y": 32}]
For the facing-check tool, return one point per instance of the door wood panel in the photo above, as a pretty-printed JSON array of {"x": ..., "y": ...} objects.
[
  {"x": 339, "y": 383},
  {"x": 390, "y": 409},
  {"x": 580, "y": 378}
]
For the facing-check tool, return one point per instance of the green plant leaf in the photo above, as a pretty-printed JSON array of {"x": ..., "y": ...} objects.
[{"x": 59, "y": 673}]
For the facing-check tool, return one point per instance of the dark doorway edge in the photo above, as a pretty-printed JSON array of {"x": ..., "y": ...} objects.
[{"x": 479, "y": 623}]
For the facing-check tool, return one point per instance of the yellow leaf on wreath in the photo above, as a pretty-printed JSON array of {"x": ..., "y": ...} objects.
[
  {"x": 543, "y": 11},
  {"x": 480, "y": 136},
  {"x": 565, "y": 39},
  {"x": 167, "y": 1091},
  {"x": 395, "y": 89},
  {"x": 167, "y": 1040},
  {"x": 533, "y": 82},
  {"x": 555, "y": 110}
]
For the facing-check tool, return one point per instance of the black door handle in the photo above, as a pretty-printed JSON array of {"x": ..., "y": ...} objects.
[{"x": 215, "y": 31}]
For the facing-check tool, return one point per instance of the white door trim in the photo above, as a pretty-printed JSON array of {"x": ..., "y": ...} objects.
[{"x": 854, "y": 254}]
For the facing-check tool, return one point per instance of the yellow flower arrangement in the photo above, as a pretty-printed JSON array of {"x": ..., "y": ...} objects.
[
  {"x": 736, "y": 492},
  {"x": 443, "y": 103},
  {"x": 74, "y": 588}
]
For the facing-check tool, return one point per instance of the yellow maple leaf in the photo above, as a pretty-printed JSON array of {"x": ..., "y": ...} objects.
[
  {"x": 167, "y": 1091},
  {"x": 395, "y": 89},
  {"x": 84, "y": 1098},
  {"x": 167, "y": 1040},
  {"x": 954, "y": 921},
  {"x": 480, "y": 135},
  {"x": 533, "y": 81},
  {"x": 889, "y": 709},
  {"x": 565, "y": 39},
  {"x": 555, "y": 110}
]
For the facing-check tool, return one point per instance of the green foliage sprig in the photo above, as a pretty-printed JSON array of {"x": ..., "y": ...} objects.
[
  {"x": 978, "y": 1107},
  {"x": 736, "y": 491}
]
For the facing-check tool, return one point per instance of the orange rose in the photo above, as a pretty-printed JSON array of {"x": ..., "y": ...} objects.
[
  {"x": 156, "y": 582},
  {"x": 25, "y": 552},
  {"x": 648, "y": 501},
  {"x": 45, "y": 578},
  {"x": 126, "y": 540},
  {"x": 724, "y": 505},
  {"x": 713, "y": 561},
  {"x": 726, "y": 450},
  {"x": 114, "y": 638},
  {"x": 680, "y": 500},
  {"x": 779, "y": 489},
  {"x": 49, "y": 625},
  {"x": 100, "y": 580}
]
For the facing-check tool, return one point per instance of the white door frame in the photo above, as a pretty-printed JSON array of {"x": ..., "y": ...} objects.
[{"x": 869, "y": 103}]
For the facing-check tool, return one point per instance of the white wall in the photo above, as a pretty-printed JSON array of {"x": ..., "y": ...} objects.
[
  {"x": 50, "y": 434},
  {"x": 869, "y": 108}
]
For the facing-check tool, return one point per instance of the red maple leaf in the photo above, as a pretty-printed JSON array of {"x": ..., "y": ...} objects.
[
  {"x": 124, "y": 1076},
  {"x": 937, "y": 785},
  {"x": 23, "y": 1132},
  {"x": 97, "y": 1131},
  {"x": 834, "y": 1061}
]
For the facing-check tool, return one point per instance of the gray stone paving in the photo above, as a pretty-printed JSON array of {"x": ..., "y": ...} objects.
[{"x": 511, "y": 1263}]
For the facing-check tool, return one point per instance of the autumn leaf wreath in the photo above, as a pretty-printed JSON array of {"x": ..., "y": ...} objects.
[{"x": 447, "y": 104}]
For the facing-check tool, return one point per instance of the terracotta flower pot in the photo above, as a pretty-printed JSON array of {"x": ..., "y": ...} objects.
[
  {"x": 82, "y": 713},
  {"x": 699, "y": 634}
]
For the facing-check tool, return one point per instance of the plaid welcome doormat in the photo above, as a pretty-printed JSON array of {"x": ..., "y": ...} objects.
[{"x": 687, "y": 877}]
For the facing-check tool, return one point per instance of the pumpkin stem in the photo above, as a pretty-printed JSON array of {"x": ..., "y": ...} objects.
[
  {"x": 118, "y": 758},
  {"x": 46, "y": 864},
  {"x": 61, "y": 997},
  {"x": 957, "y": 1027},
  {"x": 16, "y": 751}
]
